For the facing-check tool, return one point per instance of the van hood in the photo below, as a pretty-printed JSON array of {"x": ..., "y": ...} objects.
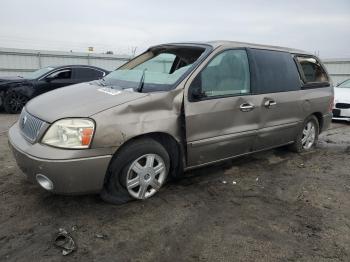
[{"x": 81, "y": 100}]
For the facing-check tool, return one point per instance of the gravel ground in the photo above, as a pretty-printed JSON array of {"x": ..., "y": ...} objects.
[{"x": 270, "y": 206}]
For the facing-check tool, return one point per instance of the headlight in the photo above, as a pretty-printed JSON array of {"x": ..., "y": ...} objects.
[{"x": 70, "y": 133}]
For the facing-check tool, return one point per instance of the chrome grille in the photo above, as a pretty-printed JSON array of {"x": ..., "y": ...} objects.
[{"x": 30, "y": 126}]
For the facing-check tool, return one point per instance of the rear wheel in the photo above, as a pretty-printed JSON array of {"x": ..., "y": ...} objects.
[
  {"x": 14, "y": 102},
  {"x": 137, "y": 172},
  {"x": 307, "y": 137}
]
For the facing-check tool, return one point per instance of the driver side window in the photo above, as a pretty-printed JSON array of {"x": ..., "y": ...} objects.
[
  {"x": 61, "y": 74},
  {"x": 227, "y": 74}
]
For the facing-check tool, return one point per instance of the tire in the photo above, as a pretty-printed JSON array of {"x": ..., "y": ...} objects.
[
  {"x": 302, "y": 144},
  {"x": 14, "y": 102},
  {"x": 133, "y": 175}
]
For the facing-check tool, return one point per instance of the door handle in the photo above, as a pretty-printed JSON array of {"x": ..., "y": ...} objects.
[
  {"x": 246, "y": 107},
  {"x": 270, "y": 103}
]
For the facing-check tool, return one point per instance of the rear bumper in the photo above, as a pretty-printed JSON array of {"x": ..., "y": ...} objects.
[{"x": 69, "y": 176}]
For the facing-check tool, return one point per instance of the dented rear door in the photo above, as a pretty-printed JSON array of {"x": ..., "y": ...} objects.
[{"x": 218, "y": 129}]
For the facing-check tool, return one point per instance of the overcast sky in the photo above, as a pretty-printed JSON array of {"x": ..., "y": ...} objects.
[{"x": 314, "y": 25}]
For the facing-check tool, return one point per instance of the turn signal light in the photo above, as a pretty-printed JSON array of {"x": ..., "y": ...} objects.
[{"x": 86, "y": 136}]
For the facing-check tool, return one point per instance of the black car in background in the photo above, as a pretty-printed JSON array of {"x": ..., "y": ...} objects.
[{"x": 16, "y": 91}]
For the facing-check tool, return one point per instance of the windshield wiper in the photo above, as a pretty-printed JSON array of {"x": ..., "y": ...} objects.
[{"x": 142, "y": 81}]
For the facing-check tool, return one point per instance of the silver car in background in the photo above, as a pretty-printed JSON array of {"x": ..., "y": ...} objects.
[{"x": 173, "y": 108}]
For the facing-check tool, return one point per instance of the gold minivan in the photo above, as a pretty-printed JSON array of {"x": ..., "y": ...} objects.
[{"x": 173, "y": 108}]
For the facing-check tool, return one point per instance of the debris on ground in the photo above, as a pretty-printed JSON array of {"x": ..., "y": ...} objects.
[
  {"x": 64, "y": 241},
  {"x": 232, "y": 170},
  {"x": 273, "y": 159},
  {"x": 101, "y": 236},
  {"x": 329, "y": 141},
  {"x": 347, "y": 150}
]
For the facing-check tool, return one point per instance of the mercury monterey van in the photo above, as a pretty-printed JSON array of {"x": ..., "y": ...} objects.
[{"x": 173, "y": 108}]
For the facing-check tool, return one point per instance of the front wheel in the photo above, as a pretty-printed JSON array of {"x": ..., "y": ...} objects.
[
  {"x": 307, "y": 137},
  {"x": 138, "y": 171},
  {"x": 14, "y": 102}
]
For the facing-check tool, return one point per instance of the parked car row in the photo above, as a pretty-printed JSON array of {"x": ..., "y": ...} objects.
[
  {"x": 125, "y": 135},
  {"x": 15, "y": 92}
]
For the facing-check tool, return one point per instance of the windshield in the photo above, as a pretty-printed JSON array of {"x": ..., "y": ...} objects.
[
  {"x": 38, "y": 73},
  {"x": 155, "y": 70},
  {"x": 345, "y": 84}
]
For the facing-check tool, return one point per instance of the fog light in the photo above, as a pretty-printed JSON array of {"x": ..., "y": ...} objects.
[{"x": 44, "y": 182}]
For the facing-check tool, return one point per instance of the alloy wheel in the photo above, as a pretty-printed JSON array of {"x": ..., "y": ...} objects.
[
  {"x": 16, "y": 102},
  {"x": 309, "y": 135}
]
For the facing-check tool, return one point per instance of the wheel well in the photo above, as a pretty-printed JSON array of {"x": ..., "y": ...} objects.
[
  {"x": 319, "y": 117},
  {"x": 174, "y": 149}
]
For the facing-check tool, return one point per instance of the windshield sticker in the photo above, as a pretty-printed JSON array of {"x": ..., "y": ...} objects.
[{"x": 110, "y": 91}]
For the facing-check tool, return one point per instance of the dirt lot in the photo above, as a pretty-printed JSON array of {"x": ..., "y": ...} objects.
[{"x": 283, "y": 207}]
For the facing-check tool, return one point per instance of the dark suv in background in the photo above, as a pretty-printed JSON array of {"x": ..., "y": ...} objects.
[{"x": 16, "y": 91}]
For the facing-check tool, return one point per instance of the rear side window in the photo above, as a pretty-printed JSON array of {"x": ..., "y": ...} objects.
[
  {"x": 312, "y": 71},
  {"x": 87, "y": 73},
  {"x": 275, "y": 71}
]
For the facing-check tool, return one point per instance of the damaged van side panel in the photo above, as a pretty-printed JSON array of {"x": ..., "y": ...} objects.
[{"x": 155, "y": 113}]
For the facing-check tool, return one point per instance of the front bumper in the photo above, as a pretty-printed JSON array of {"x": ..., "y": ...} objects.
[
  {"x": 71, "y": 171},
  {"x": 341, "y": 114}
]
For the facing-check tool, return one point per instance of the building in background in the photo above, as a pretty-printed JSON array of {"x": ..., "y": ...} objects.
[
  {"x": 19, "y": 62},
  {"x": 14, "y": 62},
  {"x": 338, "y": 69}
]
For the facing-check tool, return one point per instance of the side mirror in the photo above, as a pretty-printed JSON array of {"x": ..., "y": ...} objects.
[
  {"x": 196, "y": 93},
  {"x": 195, "y": 90}
]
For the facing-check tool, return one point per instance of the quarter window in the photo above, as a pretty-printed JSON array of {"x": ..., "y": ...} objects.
[
  {"x": 227, "y": 74},
  {"x": 312, "y": 70}
]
